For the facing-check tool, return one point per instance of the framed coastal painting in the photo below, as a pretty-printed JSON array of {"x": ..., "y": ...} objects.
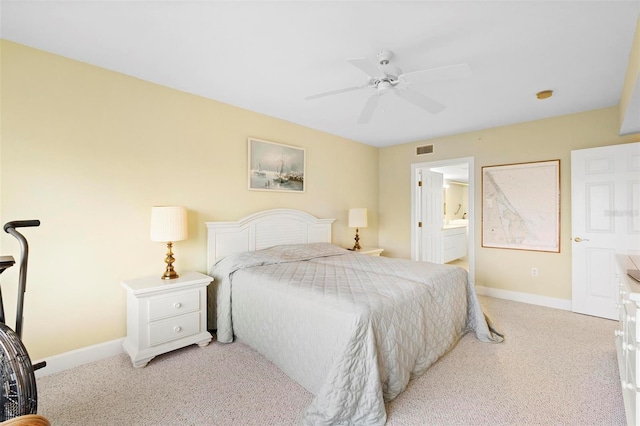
[
  {"x": 521, "y": 206},
  {"x": 275, "y": 167}
]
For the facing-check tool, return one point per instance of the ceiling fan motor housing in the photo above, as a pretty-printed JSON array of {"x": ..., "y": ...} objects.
[
  {"x": 384, "y": 56},
  {"x": 391, "y": 72}
]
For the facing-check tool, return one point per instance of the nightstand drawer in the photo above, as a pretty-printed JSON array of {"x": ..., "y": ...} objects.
[
  {"x": 175, "y": 304},
  {"x": 174, "y": 328}
]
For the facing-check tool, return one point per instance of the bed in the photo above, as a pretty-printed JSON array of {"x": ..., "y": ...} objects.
[{"x": 350, "y": 328}]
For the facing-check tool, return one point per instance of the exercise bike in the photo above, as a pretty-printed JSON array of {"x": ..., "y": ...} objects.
[{"x": 19, "y": 395}]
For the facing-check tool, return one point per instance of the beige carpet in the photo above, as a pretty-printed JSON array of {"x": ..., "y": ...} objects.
[{"x": 554, "y": 368}]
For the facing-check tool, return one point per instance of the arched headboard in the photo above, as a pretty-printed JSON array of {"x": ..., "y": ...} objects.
[{"x": 264, "y": 229}]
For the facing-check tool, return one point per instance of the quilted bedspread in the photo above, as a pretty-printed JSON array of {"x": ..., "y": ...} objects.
[{"x": 352, "y": 329}]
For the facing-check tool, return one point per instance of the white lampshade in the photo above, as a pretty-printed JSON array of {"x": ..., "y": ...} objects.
[
  {"x": 358, "y": 218},
  {"x": 168, "y": 223}
]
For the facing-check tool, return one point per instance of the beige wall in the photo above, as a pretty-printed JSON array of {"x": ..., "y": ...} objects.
[
  {"x": 88, "y": 152},
  {"x": 631, "y": 77},
  {"x": 455, "y": 195},
  {"x": 541, "y": 140}
]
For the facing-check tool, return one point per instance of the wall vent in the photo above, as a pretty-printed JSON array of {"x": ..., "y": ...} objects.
[{"x": 427, "y": 149}]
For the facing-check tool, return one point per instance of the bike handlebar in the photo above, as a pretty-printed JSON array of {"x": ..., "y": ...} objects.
[
  {"x": 10, "y": 228},
  {"x": 20, "y": 224}
]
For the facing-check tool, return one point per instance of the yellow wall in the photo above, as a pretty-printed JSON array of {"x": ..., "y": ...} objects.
[
  {"x": 88, "y": 152},
  {"x": 541, "y": 140},
  {"x": 456, "y": 198},
  {"x": 632, "y": 76}
]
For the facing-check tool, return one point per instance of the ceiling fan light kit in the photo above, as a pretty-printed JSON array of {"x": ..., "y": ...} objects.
[{"x": 386, "y": 77}]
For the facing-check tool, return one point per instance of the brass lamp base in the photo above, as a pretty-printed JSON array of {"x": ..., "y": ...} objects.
[
  {"x": 169, "y": 273},
  {"x": 356, "y": 246}
]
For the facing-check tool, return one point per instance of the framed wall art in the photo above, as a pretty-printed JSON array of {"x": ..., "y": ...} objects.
[
  {"x": 521, "y": 206},
  {"x": 276, "y": 167}
]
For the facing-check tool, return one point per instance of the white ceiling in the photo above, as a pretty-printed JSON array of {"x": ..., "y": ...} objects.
[
  {"x": 267, "y": 56},
  {"x": 454, "y": 172}
]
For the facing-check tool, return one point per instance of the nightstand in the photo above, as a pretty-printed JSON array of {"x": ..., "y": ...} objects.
[
  {"x": 164, "y": 315},
  {"x": 371, "y": 251}
]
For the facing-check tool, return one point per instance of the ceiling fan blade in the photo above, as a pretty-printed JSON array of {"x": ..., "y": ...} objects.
[
  {"x": 335, "y": 92},
  {"x": 421, "y": 100},
  {"x": 366, "y": 67},
  {"x": 369, "y": 108},
  {"x": 442, "y": 73}
]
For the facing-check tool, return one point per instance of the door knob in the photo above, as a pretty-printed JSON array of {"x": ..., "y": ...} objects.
[{"x": 579, "y": 240}]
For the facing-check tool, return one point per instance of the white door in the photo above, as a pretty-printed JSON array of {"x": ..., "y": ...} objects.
[
  {"x": 605, "y": 220},
  {"x": 430, "y": 215}
]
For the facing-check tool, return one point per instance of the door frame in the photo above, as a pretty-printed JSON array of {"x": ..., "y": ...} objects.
[{"x": 470, "y": 214}]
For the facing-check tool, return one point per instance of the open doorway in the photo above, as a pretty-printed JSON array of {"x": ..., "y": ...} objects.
[{"x": 456, "y": 214}]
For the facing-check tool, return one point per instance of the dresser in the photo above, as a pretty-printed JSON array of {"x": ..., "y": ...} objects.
[
  {"x": 164, "y": 315},
  {"x": 627, "y": 336}
]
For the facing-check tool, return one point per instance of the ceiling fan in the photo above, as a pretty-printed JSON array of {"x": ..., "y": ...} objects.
[{"x": 386, "y": 77}]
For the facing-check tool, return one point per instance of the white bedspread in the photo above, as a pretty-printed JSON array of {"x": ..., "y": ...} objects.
[{"x": 351, "y": 328}]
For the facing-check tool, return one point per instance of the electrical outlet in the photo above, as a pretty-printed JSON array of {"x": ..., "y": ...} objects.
[{"x": 534, "y": 272}]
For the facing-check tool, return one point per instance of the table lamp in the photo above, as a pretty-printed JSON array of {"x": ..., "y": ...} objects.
[
  {"x": 168, "y": 224},
  {"x": 357, "y": 219}
]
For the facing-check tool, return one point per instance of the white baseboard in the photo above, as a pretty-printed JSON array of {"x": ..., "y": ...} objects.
[
  {"x": 532, "y": 299},
  {"x": 67, "y": 360}
]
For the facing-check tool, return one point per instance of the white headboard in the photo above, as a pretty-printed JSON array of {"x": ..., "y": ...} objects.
[{"x": 264, "y": 229}]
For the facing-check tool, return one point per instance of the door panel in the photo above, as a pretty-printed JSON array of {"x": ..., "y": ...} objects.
[
  {"x": 600, "y": 199},
  {"x": 598, "y": 278}
]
